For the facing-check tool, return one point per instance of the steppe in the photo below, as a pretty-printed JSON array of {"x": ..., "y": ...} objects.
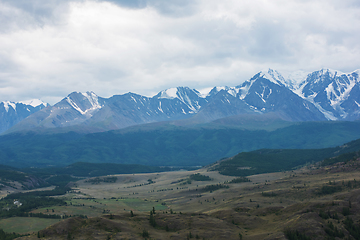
[{"x": 169, "y": 206}]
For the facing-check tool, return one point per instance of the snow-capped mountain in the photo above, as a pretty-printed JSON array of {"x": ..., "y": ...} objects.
[
  {"x": 72, "y": 110},
  {"x": 334, "y": 93},
  {"x": 270, "y": 92},
  {"x": 13, "y": 112},
  {"x": 118, "y": 111},
  {"x": 190, "y": 97},
  {"x": 318, "y": 96}
]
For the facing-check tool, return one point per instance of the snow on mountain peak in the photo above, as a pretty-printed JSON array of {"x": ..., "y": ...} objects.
[
  {"x": 339, "y": 90},
  {"x": 332, "y": 73},
  {"x": 205, "y": 92},
  {"x": 220, "y": 88},
  {"x": 295, "y": 77},
  {"x": 34, "y": 102},
  {"x": 79, "y": 105},
  {"x": 274, "y": 76},
  {"x": 233, "y": 91},
  {"x": 184, "y": 94},
  {"x": 93, "y": 99},
  {"x": 326, "y": 71},
  {"x": 74, "y": 105},
  {"x": 170, "y": 93},
  {"x": 214, "y": 90},
  {"x": 8, "y": 104}
]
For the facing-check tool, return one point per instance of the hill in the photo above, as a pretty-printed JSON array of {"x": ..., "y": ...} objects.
[
  {"x": 167, "y": 145},
  {"x": 15, "y": 178},
  {"x": 309, "y": 203},
  {"x": 272, "y": 160}
]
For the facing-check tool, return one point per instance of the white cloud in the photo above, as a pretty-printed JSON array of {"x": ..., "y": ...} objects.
[{"x": 113, "y": 47}]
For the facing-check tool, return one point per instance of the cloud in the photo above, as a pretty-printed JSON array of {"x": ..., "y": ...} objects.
[
  {"x": 49, "y": 49},
  {"x": 174, "y": 8},
  {"x": 130, "y": 3}
]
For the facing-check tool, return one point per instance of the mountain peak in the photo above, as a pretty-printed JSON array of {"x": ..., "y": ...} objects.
[
  {"x": 169, "y": 93},
  {"x": 13, "y": 112},
  {"x": 288, "y": 79},
  {"x": 333, "y": 72},
  {"x": 83, "y": 102},
  {"x": 8, "y": 104},
  {"x": 333, "y": 92},
  {"x": 93, "y": 99},
  {"x": 178, "y": 92},
  {"x": 297, "y": 96},
  {"x": 34, "y": 102},
  {"x": 208, "y": 92}
]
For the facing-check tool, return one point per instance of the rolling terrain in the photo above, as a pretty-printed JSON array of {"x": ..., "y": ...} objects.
[
  {"x": 318, "y": 201},
  {"x": 168, "y": 144},
  {"x": 314, "y": 202}
]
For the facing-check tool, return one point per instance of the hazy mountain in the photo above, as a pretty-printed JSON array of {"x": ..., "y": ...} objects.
[
  {"x": 13, "y": 112},
  {"x": 318, "y": 96}
]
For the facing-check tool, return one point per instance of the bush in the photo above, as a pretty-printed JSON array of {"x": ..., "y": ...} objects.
[
  {"x": 199, "y": 177},
  {"x": 8, "y": 236},
  {"x": 145, "y": 234},
  {"x": 295, "y": 235},
  {"x": 330, "y": 189},
  {"x": 352, "y": 228},
  {"x": 268, "y": 194},
  {"x": 240, "y": 180},
  {"x": 214, "y": 187},
  {"x": 346, "y": 211}
]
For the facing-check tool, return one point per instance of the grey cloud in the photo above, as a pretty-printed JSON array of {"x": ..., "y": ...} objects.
[
  {"x": 173, "y": 8},
  {"x": 268, "y": 41},
  {"x": 31, "y": 13},
  {"x": 144, "y": 46},
  {"x": 129, "y": 3},
  {"x": 38, "y": 8}
]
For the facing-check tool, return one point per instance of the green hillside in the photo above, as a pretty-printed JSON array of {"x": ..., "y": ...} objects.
[
  {"x": 167, "y": 146},
  {"x": 273, "y": 160}
]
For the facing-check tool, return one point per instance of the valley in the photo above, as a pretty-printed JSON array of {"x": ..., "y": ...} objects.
[
  {"x": 311, "y": 200},
  {"x": 267, "y": 159},
  {"x": 152, "y": 120}
]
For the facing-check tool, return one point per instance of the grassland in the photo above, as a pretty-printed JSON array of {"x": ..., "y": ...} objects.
[
  {"x": 313, "y": 200},
  {"x": 25, "y": 225}
]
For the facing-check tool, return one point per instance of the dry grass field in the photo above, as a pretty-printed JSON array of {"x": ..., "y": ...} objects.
[{"x": 315, "y": 201}]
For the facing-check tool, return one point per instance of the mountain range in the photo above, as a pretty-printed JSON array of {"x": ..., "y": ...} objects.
[
  {"x": 324, "y": 95},
  {"x": 13, "y": 112}
]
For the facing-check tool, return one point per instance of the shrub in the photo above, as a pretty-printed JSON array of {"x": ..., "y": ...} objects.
[{"x": 295, "y": 235}]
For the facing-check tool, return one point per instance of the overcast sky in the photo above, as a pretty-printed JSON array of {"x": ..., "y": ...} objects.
[{"x": 50, "y": 48}]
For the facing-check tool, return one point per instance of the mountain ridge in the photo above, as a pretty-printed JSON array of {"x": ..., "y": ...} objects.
[
  {"x": 166, "y": 144},
  {"x": 12, "y": 113},
  {"x": 323, "y": 95}
]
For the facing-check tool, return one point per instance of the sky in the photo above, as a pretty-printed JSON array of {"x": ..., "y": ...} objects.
[{"x": 51, "y": 48}]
